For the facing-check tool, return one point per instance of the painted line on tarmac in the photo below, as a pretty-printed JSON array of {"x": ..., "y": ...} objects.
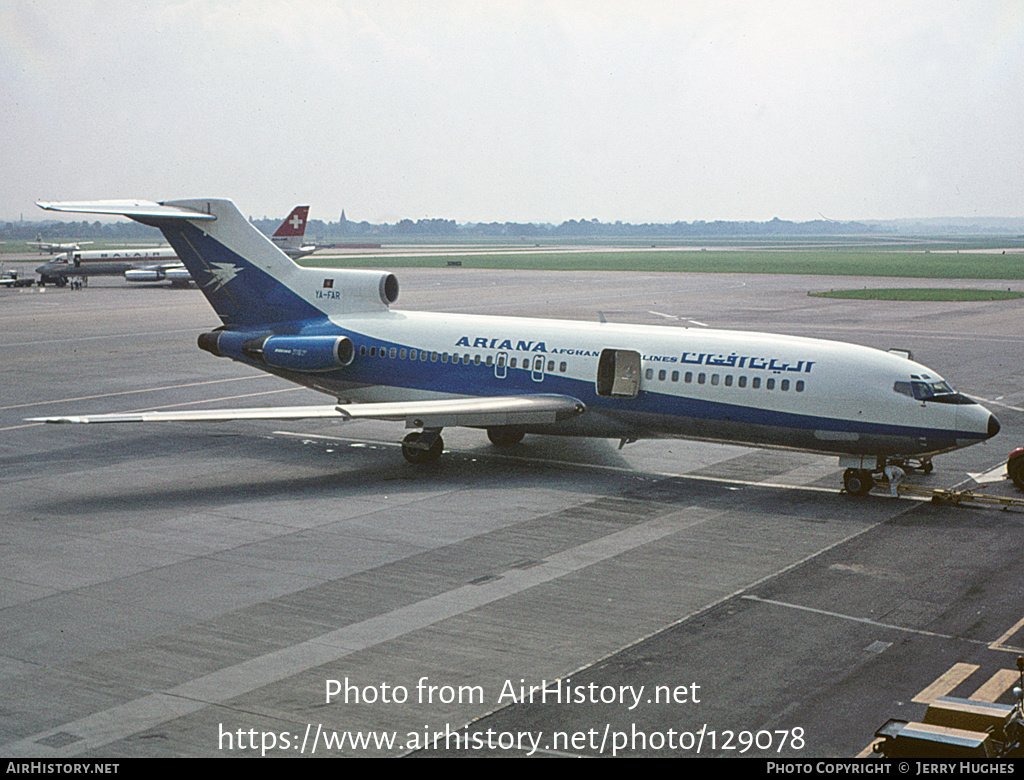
[{"x": 124, "y": 720}]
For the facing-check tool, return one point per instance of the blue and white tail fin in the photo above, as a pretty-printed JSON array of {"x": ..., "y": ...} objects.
[{"x": 248, "y": 281}]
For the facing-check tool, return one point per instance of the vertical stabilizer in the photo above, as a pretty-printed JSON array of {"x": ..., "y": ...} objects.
[
  {"x": 248, "y": 281},
  {"x": 288, "y": 237}
]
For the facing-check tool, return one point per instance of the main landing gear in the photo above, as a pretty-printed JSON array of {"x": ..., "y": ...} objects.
[
  {"x": 424, "y": 447},
  {"x": 505, "y": 435},
  {"x": 427, "y": 446}
]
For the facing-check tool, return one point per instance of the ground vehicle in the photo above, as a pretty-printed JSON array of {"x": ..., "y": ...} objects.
[
  {"x": 958, "y": 728},
  {"x": 10, "y": 279}
]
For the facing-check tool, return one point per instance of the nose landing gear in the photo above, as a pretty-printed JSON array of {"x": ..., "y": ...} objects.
[{"x": 858, "y": 482}]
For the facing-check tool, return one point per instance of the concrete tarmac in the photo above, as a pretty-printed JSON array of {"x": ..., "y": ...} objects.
[{"x": 293, "y": 589}]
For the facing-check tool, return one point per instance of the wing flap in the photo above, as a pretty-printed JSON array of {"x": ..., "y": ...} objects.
[{"x": 470, "y": 412}]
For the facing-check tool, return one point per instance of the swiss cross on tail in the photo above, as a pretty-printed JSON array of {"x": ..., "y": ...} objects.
[{"x": 295, "y": 224}]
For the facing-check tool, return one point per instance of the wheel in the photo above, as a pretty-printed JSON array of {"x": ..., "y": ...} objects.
[
  {"x": 504, "y": 435},
  {"x": 858, "y": 482},
  {"x": 926, "y": 465},
  {"x": 414, "y": 452},
  {"x": 1015, "y": 468}
]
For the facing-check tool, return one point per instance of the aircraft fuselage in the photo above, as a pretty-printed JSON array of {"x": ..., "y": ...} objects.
[{"x": 740, "y": 387}]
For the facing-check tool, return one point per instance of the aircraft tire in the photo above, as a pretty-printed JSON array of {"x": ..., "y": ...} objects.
[
  {"x": 1015, "y": 468},
  {"x": 858, "y": 482},
  {"x": 504, "y": 435},
  {"x": 415, "y": 454}
]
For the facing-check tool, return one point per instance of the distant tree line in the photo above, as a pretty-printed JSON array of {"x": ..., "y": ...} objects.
[
  {"x": 133, "y": 231},
  {"x": 572, "y": 228}
]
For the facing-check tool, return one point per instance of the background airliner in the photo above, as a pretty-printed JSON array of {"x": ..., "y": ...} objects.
[
  {"x": 49, "y": 248},
  {"x": 156, "y": 264},
  {"x": 335, "y": 331}
]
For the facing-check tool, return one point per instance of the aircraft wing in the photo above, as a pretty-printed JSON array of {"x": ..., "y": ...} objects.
[
  {"x": 161, "y": 266},
  {"x": 470, "y": 412}
]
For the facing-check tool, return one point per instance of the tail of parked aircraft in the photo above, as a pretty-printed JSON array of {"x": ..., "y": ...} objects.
[
  {"x": 248, "y": 281},
  {"x": 288, "y": 237}
]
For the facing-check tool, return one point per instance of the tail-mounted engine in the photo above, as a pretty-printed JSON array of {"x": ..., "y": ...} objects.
[
  {"x": 293, "y": 353},
  {"x": 351, "y": 290}
]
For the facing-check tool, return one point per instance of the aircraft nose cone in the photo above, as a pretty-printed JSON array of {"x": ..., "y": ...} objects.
[{"x": 993, "y": 426}]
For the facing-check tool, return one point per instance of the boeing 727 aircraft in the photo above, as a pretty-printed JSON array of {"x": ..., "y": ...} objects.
[{"x": 335, "y": 331}]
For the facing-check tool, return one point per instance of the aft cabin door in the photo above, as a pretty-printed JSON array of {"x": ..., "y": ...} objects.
[
  {"x": 618, "y": 373},
  {"x": 538, "y": 368}
]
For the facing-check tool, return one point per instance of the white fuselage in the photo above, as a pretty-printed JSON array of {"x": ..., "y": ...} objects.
[
  {"x": 744, "y": 387},
  {"x": 106, "y": 262}
]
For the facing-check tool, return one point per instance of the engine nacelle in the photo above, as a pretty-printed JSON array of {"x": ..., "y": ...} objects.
[
  {"x": 144, "y": 275},
  {"x": 293, "y": 353},
  {"x": 356, "y": 290}
]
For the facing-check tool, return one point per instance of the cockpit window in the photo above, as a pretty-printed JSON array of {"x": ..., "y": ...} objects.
[
  {"x": 903, "y": 388},
  {"x": 925, "y": 390},
  {"x": 939, "y": 392}
]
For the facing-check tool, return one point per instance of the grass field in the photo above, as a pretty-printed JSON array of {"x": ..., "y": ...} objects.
[
  {"x": 829, "y": 262},
  {"x": 925, "y": 258},
  {"x": 921, "y": 294}
]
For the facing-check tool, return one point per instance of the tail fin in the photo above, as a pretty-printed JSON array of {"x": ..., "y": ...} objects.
[
  {"x": 288, "y": 237},
  {"x": 248, "y": 281},
  {"x": 291, "y": 232}
]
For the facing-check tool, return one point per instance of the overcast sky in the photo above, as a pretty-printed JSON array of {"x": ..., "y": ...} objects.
[{"x": 513, "y": 110}]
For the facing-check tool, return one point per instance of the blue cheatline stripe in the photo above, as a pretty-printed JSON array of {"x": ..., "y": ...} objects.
[{"x": 479, "y": 380}]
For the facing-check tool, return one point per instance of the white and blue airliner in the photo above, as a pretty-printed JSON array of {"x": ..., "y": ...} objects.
[{"x": 335, "y": 331}]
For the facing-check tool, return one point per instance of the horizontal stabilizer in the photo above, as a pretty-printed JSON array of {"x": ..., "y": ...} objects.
[
  {"x": 471, "y": 412},
  {"x": 127, "y": 208}
]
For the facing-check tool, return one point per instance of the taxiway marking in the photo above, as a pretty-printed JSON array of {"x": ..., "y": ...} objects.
[{"x": 132, "y": 717}]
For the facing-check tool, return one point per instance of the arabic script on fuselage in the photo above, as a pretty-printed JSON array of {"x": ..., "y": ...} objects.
[{"x": 708, "y": 359}]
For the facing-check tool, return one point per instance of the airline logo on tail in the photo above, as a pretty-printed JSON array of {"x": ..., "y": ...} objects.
[
  {"x": 223, "y": 274},
  {"x": 289, "y": 236},
  {"x": 294, "y": 225}
]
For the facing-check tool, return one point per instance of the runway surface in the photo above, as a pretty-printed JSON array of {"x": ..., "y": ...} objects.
[{"x": 299, "y": 589}]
